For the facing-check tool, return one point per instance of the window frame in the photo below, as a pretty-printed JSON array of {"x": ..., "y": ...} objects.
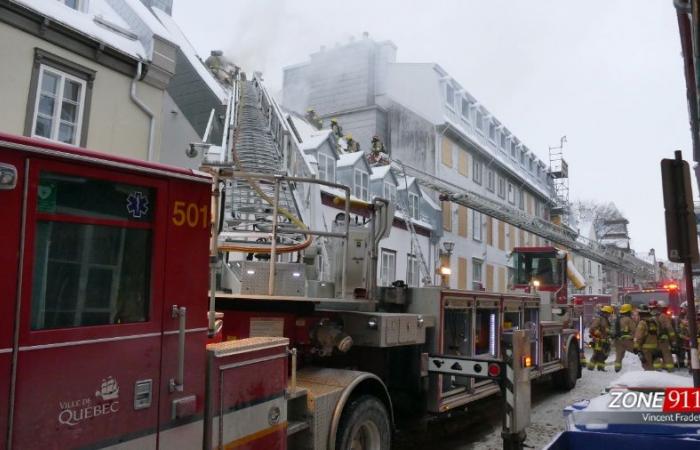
[
  {"x": 477, "y": 263},
  {"x": 479, "y": 121},
  {"x": 477, "y": 171},
  {"x": 450, "y": 100},
  {"x": 80, "y": 5},
  {"x": 390, "y": 254},
  {"x": 511, "y": 190},
  {"x": 57, "y": 63},
  {"x": 413, "y": 200},
  {"x": 363, "y": 187},
  {"x": 412, "y": 271},
  {"x": 491, "y": 180},
  {"x": 502, "y": 187},
  {"x": 392, "y": 194},
  {"x": 466, "y": 116},
  {"x": 477, "y": 226},
  {"x": 328, "y": 162},
  {"x": 157, "y": 261}
]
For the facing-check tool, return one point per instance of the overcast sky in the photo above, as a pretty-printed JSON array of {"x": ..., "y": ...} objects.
[{"x": 608, "y": 74}]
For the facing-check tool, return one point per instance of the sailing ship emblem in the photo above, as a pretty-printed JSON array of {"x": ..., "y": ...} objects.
[{"x": 109, "y": 390}]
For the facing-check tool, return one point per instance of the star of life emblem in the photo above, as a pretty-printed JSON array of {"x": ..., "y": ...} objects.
[{"x": 137, "y": 205}]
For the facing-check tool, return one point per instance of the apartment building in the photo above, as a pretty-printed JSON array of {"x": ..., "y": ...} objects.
[{"x": 429, "y": 121}]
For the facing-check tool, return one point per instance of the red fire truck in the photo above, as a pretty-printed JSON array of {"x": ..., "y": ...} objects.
[
  {"x": 666, "y": 291},
  {"x": 110, "y": 313}
]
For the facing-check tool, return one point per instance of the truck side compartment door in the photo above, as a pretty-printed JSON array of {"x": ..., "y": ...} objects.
[
  {"x": 10, "y": 242},
  {"x": 91, "y": 309}
]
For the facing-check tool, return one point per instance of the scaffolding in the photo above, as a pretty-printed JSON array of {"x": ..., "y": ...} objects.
[{"x": 559, "y": 171}]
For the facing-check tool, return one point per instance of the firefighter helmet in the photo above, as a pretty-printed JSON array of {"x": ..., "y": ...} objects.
[
  {"x": 662, "y": 304},
  {"x": 653, "y": 304},
  {"x": 626, "y": 308},
  {"x": 643, "y": 309},
  {"x": 684, "y": 306},
  {"x": 607, "y": 309}
]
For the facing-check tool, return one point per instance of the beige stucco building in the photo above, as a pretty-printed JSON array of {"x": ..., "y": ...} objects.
[{"x": 91, "y": 75}]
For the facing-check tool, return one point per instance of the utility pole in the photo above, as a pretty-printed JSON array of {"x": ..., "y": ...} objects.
[{"x": 682, "y": 239}]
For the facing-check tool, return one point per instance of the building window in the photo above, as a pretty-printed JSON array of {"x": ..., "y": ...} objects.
[
  {"x": 476, "y": 170},
  {"x": 92, "y": 256},
  {"x": 465, "y": 109},
  {"x": 412, "y": 271},
  {"x": 413, "y": 205},
  {"x": 503, "y": 141},
  {"x": 326, "y": 167},
  {"x": 390, "y": 192},
  {"x": 449, "y": 95},
  {"x": 538, "y": 208},
  {"x": 58, "y": 110},
  {"x": 78, "y": 5},
  {"x": 490, "y": 180},
  {"x": 521, "y": 199},
  {"x": 501, "y": 187},
  {"x": 476, "y": 226},
  {"x": 476, "y": 274},
  {"x": 513, "y": 148},
  {"x": 530, "y": 165},
  {"x": 388, "y": 267},
  {"x": 522, "y": 157},
  {"x": 492, "y": 132},
  {"x": 59, "y": 101},
  {"x": 361, "y": 185},
  {"x": 447, "y": 216},
  {"x": 479, "y": 121},
  {"x": 511, "y": 194}
]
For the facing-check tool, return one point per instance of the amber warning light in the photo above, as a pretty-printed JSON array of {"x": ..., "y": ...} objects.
[{"x": 527, "y": 361}]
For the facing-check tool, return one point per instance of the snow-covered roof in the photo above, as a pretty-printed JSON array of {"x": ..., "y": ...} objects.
[
  {"x": 125, "y": 25},
  {"x": 406, "y": 182},
  {"x": 314, "y": 140},
  {"x": 350, "y": 159},
  {"x": 379, "y": 172},
  {"x": 190, "y": 53}
]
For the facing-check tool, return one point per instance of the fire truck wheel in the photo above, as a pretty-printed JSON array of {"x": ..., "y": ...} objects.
[
  {"x": 364, "y": 425},
  {"x": 566, "y": 378}
]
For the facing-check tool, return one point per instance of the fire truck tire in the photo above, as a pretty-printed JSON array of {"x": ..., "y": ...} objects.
[
  {"x": 364, "y": 425},
  {"x": 566, "y": 378}
]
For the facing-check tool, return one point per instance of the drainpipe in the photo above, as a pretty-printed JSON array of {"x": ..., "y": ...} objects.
[{"x": 145, "y": 109}]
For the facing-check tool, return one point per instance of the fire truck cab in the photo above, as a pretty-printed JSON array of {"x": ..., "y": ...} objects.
[{"x": 97, "y": 254}]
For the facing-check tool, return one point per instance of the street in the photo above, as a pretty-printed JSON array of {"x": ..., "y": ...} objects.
[{"x": 480, "y": 428}]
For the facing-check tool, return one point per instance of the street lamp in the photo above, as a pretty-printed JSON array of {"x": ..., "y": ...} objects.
[{"x": 444, "y": 270}]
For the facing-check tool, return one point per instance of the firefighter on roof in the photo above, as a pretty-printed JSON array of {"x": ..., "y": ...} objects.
[
  {"x": 667, "y": 334},
  {"x": 378, "y": 156},
  {"x": 600, "y": 338},
  {"x": 646, "y": 339},
  {"x": 624, "y": 334}
]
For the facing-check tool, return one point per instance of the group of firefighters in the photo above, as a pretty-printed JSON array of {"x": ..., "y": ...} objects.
[{"x": 651, "y": 333}]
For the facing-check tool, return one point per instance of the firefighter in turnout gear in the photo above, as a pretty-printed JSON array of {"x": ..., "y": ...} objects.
[
  {"x": 667, "y": 334},
  {"x": 624, "y": 334},
  {"x": 684, "y": 330},
  {"x": 646, "y": 339},
  {"x": 600, "y": 338}
]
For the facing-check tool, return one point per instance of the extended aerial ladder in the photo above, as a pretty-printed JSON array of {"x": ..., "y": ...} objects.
[{"x": 555, "y": 233}]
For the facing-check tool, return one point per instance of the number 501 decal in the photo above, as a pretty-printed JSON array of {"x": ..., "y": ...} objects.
[{"x": 191, "y": 214}]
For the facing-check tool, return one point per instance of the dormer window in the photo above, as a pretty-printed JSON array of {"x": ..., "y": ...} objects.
[
  {"x": 492, "y": 132},
  {"x": 479, "y": 121},
  {"x": 465, "y": 109},
  {"x": 413, "y": 206},
  {"x": 326, "y": 167},
  {"x": 390, "y": 192},
  {"x": 361, "y": 188},
  {"x": 78, "y": 5},
  {"x": 449, "y": 95}
]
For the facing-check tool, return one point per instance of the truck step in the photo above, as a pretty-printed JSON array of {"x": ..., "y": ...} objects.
[
  {"x": 299, "y": 392},
  {"x": 294, "y": 427}
]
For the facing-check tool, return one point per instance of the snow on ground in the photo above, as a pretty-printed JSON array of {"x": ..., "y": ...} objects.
[{"x": 548, "y": 404}]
